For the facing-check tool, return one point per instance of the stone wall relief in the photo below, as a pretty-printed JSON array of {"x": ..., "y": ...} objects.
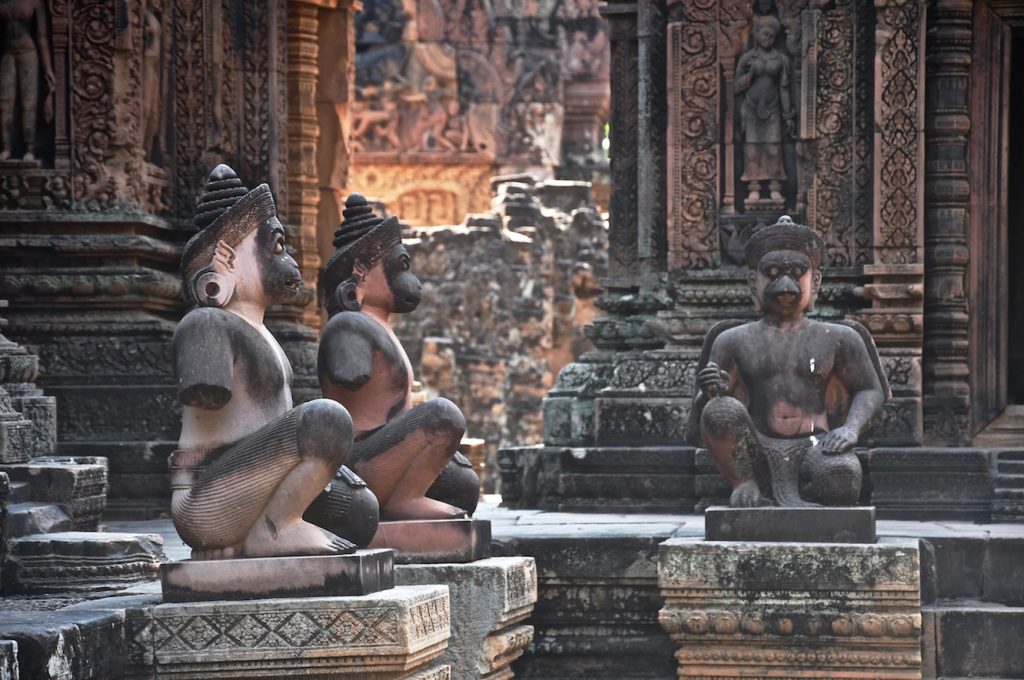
[
  {"x": 27, "y": 80},
  {"x": 155, "y": 51}
]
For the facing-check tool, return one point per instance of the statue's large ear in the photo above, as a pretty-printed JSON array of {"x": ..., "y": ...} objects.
[
  {"x": 752, "y": 282},
  {"x": 224, "y": 258},
  {"x": 346, "y": 295},
  {"x": 815, "y": 287}
]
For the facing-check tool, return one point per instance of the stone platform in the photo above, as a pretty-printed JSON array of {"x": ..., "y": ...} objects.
[
  {"x": 596, "y": 616},
  {"x": 491, "y": 601},
  {"x": 804, "y": 525}
]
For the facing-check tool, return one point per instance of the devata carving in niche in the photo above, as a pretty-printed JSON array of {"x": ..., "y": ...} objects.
[
  {"x": 153, "y": 83},
  {"x": 782, "y": 400},
  {"x": 26, "y": 44},
  {"x": 248, "y": 464},
  {"x": 762, "y": 77},
  {"x": 407, "y": 454}
]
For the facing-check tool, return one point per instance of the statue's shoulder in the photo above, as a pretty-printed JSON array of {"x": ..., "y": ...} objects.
[
  {"x": 351, "y": 322},
  {"x": 203, "y": 322}
]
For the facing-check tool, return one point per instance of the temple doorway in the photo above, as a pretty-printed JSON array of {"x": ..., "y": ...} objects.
[{"x": 996, "y": 272}]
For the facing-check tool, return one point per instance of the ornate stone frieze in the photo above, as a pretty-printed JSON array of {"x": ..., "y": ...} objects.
[{"x": 759, "y": 610}]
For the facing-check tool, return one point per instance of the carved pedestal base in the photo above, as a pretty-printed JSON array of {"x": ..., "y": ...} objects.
[
  {"x": 768, "y": 610},
  {"x": 435, "y": 541},
  {"x": 399, "y": 633},
  {"x": 361, "y": 573},
  {"x": 80, "y": 561},
  {"x": 490, "y": 600}
]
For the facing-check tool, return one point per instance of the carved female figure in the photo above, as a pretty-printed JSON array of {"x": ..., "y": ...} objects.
[{"x": 762, "y": 77}]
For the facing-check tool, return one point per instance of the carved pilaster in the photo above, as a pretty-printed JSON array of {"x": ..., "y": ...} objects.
[
  {"x": 693, "y": 132},
  {"x": 303, "y": 135},
  {"x": 896, "y": 317},
  {"x": 948, "y": 192}
]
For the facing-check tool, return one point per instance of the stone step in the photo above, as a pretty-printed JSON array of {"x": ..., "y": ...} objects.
[
  {"x": 974, "y": 639},
  {"x": 80, "y": 561},
  {"x": 1008, "y": 494},
  {"x": 21, "y": 492},
  {"x": 1010, "y": 467},
  {"x": 77, "y": 484},
  {"x": 24, "y": 519},
  {"x": 974, "y": 566},
  {"x": 1009, "y": 481},
  {"x": 56, "y": 645}
]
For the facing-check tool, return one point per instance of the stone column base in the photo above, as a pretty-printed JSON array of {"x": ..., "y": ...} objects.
[
  {"x": 396, "y": 634},
  {"x": 793, "y": 610},
  {"x": 490, "y": 599}
]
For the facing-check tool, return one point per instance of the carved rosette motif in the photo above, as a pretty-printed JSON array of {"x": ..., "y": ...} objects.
[{"x": 693, "y": 175}]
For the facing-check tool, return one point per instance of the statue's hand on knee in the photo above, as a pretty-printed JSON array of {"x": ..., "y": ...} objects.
[
  {"x": 712, "y": 380},
  {"x": 839, "y": 440}
]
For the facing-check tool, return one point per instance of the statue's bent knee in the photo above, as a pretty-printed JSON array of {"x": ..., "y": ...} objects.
[
  {"x": 442, "y": 416},
  {"x": 325, "y": 431},
  {"x": 458, "y": 485},
  {"x": 831, "y": 478},
  {"x": 724, "y": 417}
]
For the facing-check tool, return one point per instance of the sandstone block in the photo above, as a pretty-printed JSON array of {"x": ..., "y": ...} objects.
[
  {"x": 490, "y": 599},
  {"x": 435, "y": 541}
]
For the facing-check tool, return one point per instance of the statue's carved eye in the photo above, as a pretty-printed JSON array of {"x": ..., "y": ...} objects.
[
  {"x": 773, "y": 272},
  {"x": 279, "y": 246},
  {"x": 405, "y": 263}
]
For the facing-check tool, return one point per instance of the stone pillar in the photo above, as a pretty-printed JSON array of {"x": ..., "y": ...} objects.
[
  {"x": 947, "y": 399},
  {"x": 895, "y": 317},
  {"x": 795, "y": 610}
]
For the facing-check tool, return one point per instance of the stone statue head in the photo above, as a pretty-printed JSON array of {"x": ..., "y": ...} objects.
[
  {"x": 785, "y": 262},
  {"x": 370, "y": 265},
  {"x": 766, "y": 31},
  {"x": 239, "y": 249}
]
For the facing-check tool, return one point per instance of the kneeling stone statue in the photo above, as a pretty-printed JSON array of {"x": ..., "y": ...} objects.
[
  {"x": 782, "y": 400},
  {"x": 248, "y": 464}
]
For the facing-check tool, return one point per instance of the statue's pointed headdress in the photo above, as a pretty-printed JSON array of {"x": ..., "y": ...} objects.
[
  {"x": 227, "y": 212},
  {"x": 361, "y": 241},
  {"x": 784, "y": 235}
]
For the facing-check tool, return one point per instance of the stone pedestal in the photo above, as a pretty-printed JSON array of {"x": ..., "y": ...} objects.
[
  {"x": 361, "y": 573},
  {"x": 760, "y": 610},
  {"x": 490, "y": 600},
  {"x": 804, "y": 525},
  {"x": 399, "y": 633},
  {"x": 435, "y": 541}
]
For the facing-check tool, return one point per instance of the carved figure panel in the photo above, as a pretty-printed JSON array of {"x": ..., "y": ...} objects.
[
  {"x": 427, "y": 194},
  {"x": 27, "y": 80}
]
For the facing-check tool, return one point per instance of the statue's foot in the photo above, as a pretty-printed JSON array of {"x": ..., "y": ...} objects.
[
  {"x": 777, "y": 197},
  {"x": 419, "y": 508},
  {"x": 5, "y": 155},
  {"x": 268, "y": 539},
  {"x": 29, "y": 156},
  {"x": 746, "y": 495}
]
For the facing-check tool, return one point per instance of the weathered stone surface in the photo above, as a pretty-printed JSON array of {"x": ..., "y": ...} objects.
[
  {"x": 599, "y": 479},
  {"x": 77, "y": 484},
  {"x": 8, "y": 660},
  {"x": 760, "y": 610},
  {"x": 1008, "y": 491},
  {"x": 597, "y": 597},
  {"x": 61, "y": 645},
  {"x": 392, "y": 634},
  {"x": 24, "y": 519},
  {"x": 804, "y": 525},
  {"x": 490, "y": 599},
  {"x": 435, "y": 541},
  {"x": 931, "y": 483},
  {"x": 978, "y": 640},
  {"x": 77, "y": 561},
  {"x": 261, "y": 578}
]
